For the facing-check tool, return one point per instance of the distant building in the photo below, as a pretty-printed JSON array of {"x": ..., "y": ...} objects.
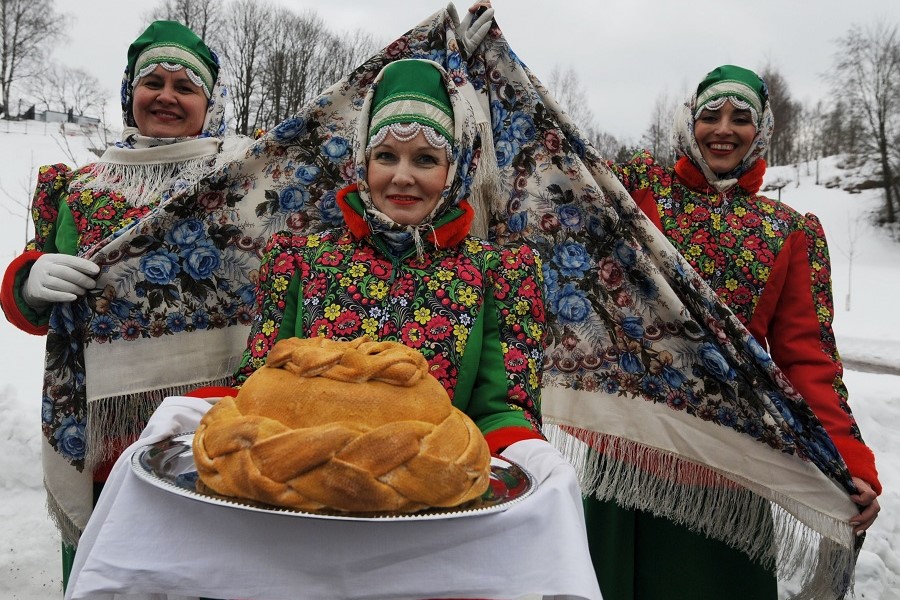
[{"x": 55, "y": 116}]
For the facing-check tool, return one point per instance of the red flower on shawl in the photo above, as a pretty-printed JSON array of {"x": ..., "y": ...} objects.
[
  {"x": 347, "y": 323},
  {"x": 700, "y": 214},
  {"x": 515, "y": 360},
  {"x": 610, "y": 273},
  {"x": 413, "y": 335},
  {"x": 322, "y": 328},
  {"x": 438, "y": 327},
  {"x": 439, "y": 367}
]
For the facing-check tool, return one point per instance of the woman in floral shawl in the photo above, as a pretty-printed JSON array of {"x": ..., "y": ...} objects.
[
  {"x": 769, "y": 264},
  {"x": 173, "y": 105}
]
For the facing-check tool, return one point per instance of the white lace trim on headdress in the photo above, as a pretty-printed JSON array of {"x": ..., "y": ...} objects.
[
  {"x": 714, "y": 105},
  {"x": 403, "y": 132},
  {"x": 173, "y": 67}
]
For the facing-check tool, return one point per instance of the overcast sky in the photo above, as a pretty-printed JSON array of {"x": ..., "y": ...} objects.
[{"x": 625, "y": 53}]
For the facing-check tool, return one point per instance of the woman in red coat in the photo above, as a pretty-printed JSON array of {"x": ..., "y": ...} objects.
[{"x": 770, "y": 265}]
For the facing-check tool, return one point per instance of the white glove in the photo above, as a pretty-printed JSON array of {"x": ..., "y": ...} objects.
[
  {"x": 471, "y": 29},
  {"x": 58, "y": 278}
]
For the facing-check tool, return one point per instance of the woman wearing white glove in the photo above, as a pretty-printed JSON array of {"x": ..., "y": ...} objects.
[
  {"x": 173, "y": 106},
  {"x": 474, "y": 26}
]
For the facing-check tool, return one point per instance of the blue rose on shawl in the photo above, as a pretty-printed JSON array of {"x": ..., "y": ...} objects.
[
  {"x": 569, "y": 216},
  {"x": 551, "y": 282},
  {"x": 307, "y": 174},
  {"x": 46, "y": 410},
  {"x": 498, "y": 116},
  {"x": 292, "y": 199},
  {"x": 70, "y": 438},
  {"x": 505, "y": 151},
  {"x": 290, "y": 128},
  {"x": 329, "y": 209},
  {"x": 336, "y": 148},
  {"x": 625, "y": 254},
  {"x": 759, "y": 353},
  {"x": 714, "y": 363},
  {"x": 160, "y": 266},
  {"x": 596, "y": 228},
  {"x": 201, "y": 261},
  {"x": 247, "y": 294},
  {"x": 571, "y": 305},
  {"x": 186, "y": 232},
  {"x": 572, "y": 259},
  {"x": 633, "y": 327},
  {"x": 518, "y": 222},
  {"x": 521, "y": 127}
]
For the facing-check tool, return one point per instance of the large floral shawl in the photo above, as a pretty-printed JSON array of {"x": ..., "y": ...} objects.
[{"x": 674, "y": 398}]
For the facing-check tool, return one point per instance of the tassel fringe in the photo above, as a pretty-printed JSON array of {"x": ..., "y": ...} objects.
[
  {"x": 69, "y": 532},
  {"x": 764, "y": 525},
  {"x": 142, "y": 184},
  {"x": 116, "y": 422}
]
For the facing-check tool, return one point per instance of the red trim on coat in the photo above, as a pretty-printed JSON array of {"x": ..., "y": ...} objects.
[
  {"x": 787, "y": 307},
  {"x": 355, "y": 221},
  {"x": 750, "y": 181},
  {"x": 213, "y": 391},
  {"x": 8, "y": 293},
  {"x": 647, "y": 203},
  {"x": 499, "y": 439},
  {"x": 446, "y": 236}
]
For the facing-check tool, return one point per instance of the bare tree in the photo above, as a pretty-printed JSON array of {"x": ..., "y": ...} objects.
[
  {"x": 658, "y": 136},
  {"x": 25, "y": 28},
  {"x": 866, "y": 75},
  {"x": 567, "y": 90},
  {"x": 786, "y": 111},
  {"x": 63, "y": 88},
  {"x": 249, "y": 24},
  {"x": 203, "y": 17}
]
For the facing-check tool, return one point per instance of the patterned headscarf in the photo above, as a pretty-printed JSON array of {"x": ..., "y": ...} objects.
[
  {"x": 745, "y": 90},
  {"x": 459, "y": 128},
  {"x": 173, "y": 46}
]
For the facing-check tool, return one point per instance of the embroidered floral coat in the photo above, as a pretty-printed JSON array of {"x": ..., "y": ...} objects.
[
  {"x": 473, "y": 309},
  {"x": 68, "y": 218},
  {"x": 770, "y": 265}
]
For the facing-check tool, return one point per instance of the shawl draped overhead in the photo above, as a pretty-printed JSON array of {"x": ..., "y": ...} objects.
[{"x": 653, "y": 388}]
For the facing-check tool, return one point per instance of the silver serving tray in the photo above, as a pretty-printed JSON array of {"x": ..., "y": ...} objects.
[{"x": 169, "y": 465}]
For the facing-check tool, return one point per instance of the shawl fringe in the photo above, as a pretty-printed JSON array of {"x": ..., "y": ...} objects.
[
  {"x": 69, "y": 532},
  {"x": 114, "y": 423},
  {"x": 768, "y": 529},
  {"x": 143, "y": 183}
]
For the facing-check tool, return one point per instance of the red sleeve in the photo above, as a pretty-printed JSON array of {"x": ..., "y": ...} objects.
[
  {"x": 213, "y": 391},
  {"x": 499, "y": 439},
  {"x": 801, "y": 343},
  {"x": 647, "y": 203},
  {"x": 10, "y": 298}
]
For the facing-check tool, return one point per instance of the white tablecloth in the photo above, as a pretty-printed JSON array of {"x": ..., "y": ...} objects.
[{"x": 142, "y": 540}]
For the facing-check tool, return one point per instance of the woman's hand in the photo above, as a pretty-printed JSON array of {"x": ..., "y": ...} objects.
[
  {"x": 58, "y": 278},
  {"x": 472, "y": 28},
  {"x": 868, "y": 501}
]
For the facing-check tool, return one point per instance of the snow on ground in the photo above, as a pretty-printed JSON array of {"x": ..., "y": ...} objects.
[{"x": 866, "y": 270}]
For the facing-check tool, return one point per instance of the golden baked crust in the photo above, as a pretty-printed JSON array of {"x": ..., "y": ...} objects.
[{"x": 355, "y": 426}]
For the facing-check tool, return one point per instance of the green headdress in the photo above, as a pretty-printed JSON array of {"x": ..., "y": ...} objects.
[
  {"x": 742, "y": 86},
  {"x": 412, "y": 91},
  {"x": 172, "y": 43}
]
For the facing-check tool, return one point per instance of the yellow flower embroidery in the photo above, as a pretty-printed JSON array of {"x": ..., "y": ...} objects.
[
  {"x": 472, "y": 246},
  {"x": 370, "y": 325},
  {"x": 280, "y": 283},
  {"x": 747, "y": 255},
  {"x": 378, "y": 290},
  {"x": 730, "y": 285},
  {"x": 332, "y": 311},
  {"x": 689, "y": 207},
  {"x": 522, "y": 307},
  {"x": 357, "y": 270},
  {"x": 268, "y": 327},
  {"x": 433, "y": 284},
  {"x": 740, "y": 211},
  {"x": 422, "y": 315},
  {"x": 444, "y": 275},
  {"x": 467, "y": 296},
  {"x": 313, "y": 241}
]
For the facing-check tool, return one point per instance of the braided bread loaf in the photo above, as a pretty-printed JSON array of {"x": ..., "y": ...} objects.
[{"x": 355, "y": 426}]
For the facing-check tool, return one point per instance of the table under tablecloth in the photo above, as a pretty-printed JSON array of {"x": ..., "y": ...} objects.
[{"x": 143, "y": 541}]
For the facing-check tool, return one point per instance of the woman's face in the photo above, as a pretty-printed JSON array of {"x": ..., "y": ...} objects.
[
  {"x": 168, "y": 104},
  {"x": 406, "y": 178},
  {"x": 724, "y": 136}
]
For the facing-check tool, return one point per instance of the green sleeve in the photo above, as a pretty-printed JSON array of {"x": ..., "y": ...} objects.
[{"x": 292, "y": 321}]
